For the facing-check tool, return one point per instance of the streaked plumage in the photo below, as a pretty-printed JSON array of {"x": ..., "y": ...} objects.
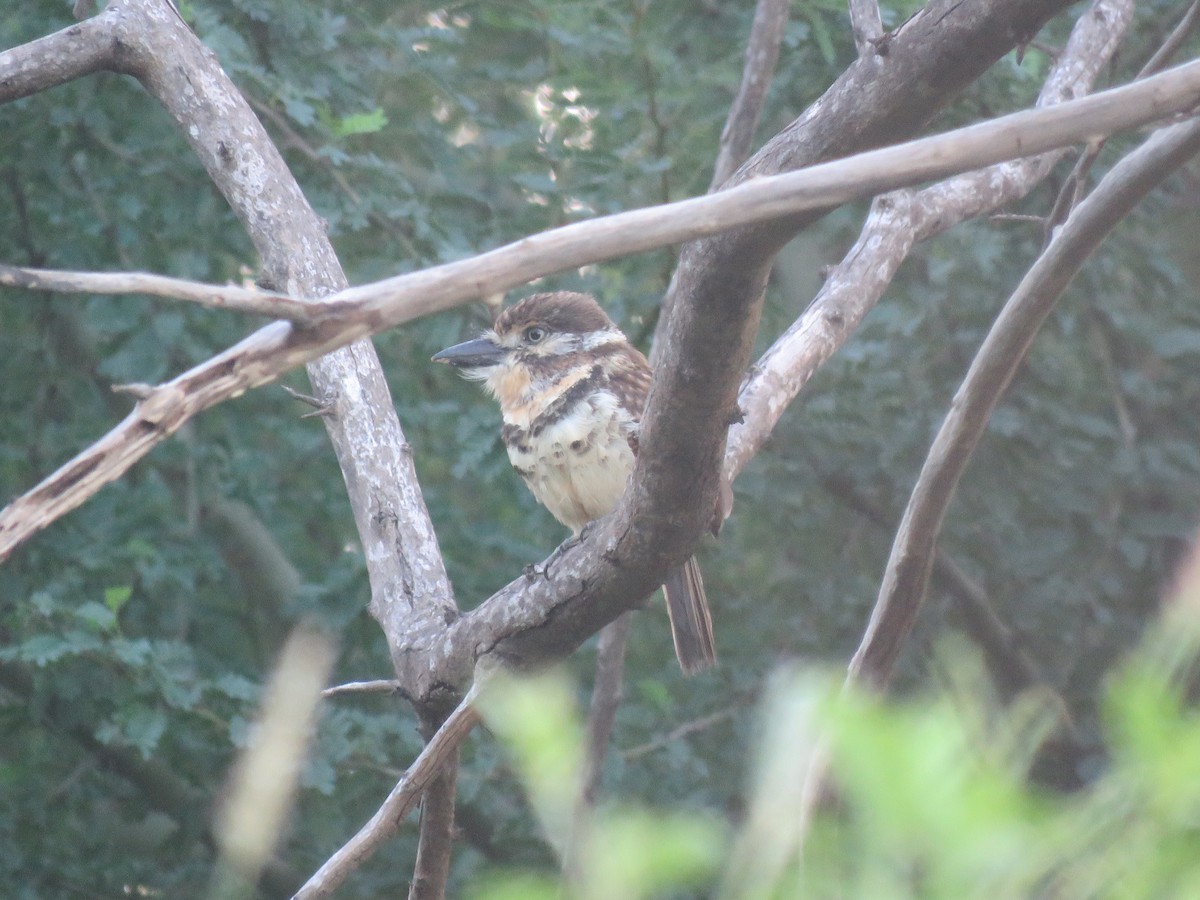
[{"x": 571, "y": 390}]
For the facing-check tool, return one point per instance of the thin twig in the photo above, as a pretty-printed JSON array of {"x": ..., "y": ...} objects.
[
  {"x": 399, "y": 803},
  {"x": 310, "y": 153},
  {"x": 381, "y": 686},
  {"x": 1023, "y": 218},
  {"x": 681, "y": 731},
  {"x": 229, "y": 296},
  {"x": 762, "y": 52},
  {"x": 1074, "y": 185},
  {"x": 1174, "y": 41}
]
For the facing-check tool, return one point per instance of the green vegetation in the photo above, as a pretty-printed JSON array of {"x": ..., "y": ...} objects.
[{"x": 137, "y": 632}]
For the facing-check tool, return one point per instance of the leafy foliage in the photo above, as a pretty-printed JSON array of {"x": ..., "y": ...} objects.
[
  {"x": 136, "y": 632},
  {"x": 932, "y": 796}
]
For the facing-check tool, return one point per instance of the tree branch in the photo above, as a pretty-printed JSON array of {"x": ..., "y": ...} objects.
[
  {"x": 78, "y": 50},
  {"x": 907, "y": 575},
  {"x": 867, "y": 26},
  {"x": 231, "y": 297},
  {"x": 606, "y": 699},
  {"x": 399, "y": 803},
  {"x": 1174, "y": 41},
  {"x": 897, "y": 222},
  {"x": 380, "y": 686},
  {"x": 667, "y": 521},
  {"x": 411, "y": 594},
  {"x": 762, "y": 52},
  {"x": 436, "y": 840}
]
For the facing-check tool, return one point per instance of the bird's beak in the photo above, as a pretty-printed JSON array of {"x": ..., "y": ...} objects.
[{"x": 472, "y": 354}]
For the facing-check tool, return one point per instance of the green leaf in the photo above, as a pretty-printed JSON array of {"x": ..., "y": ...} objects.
[
  {"x": 117, "y": 596},
  {"x": 360, "y": 123}
]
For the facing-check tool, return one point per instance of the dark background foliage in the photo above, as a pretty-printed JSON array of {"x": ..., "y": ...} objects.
[{"x": 136, "y": 632}]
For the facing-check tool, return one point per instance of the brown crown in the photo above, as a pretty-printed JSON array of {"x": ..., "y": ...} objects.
[{"x": 563, "y": 312}]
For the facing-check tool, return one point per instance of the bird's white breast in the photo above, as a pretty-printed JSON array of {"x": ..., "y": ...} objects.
[{"x": 578, "y": 465}]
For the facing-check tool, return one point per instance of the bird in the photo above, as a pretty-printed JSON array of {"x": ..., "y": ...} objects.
[{"x": 571, "y": 389}]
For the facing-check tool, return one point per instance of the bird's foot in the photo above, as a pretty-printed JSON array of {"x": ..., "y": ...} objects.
[{"x": 534, "y": 569}]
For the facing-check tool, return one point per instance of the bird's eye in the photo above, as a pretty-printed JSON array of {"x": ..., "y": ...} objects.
[{"x": 535, "y": 335}]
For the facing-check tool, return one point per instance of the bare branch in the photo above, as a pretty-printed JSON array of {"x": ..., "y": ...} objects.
[
  {"x": 356, "y": 312},
  {"x": 606, "y": 699},
  {"x": 77, "y": 50},
  {"x": 1174, "y": 41},
  {"x": 1075, "y": 184},
  {"x": 399, "y": 803},
  {"x": 231, "y": 297},
  {"x": 1002, "y": 353},
  {"x": 411, "y": 594},
  {"x": 437, "y": 834},
  {"x": 867, "y": 26},
  {"x": 681, "y": 731},
  {"x": 384, "y": 686},
  {"x": 895, "y": 224},
  {"x": 1014, "y": 671},
  {"x": 762, "y": 52}
]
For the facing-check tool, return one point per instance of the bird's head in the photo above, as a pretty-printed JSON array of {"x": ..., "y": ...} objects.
[{"x": 534, "y": 343}]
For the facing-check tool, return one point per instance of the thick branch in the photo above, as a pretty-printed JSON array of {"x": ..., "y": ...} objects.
[
  {"x": 410, "y": 591},
  {"x": 78, "y": 50},
  {"x": 895, "y": 224},
  {"x": 668, "y": 519},
  {"x": 1003, "y": 351},
  {"x": 411, "y": 594}
]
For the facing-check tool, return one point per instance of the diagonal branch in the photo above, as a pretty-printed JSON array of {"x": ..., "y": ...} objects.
[
  {"x": 147, "y": 39},
  {"x": 357, "y": 312},
  {"x": 895, "y": 224},
  {"x": 762, "y": 52},
  {"x": 1179, "y": 34},
  {"x": 399, "y": 803},
  {"x": 907, "y": 575}
]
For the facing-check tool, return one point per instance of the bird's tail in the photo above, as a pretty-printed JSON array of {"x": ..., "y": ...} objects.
[{"x": 691, "y": 622}]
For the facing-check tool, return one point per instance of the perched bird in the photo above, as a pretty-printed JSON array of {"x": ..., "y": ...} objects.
[{"x": 571, "y": 390}]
